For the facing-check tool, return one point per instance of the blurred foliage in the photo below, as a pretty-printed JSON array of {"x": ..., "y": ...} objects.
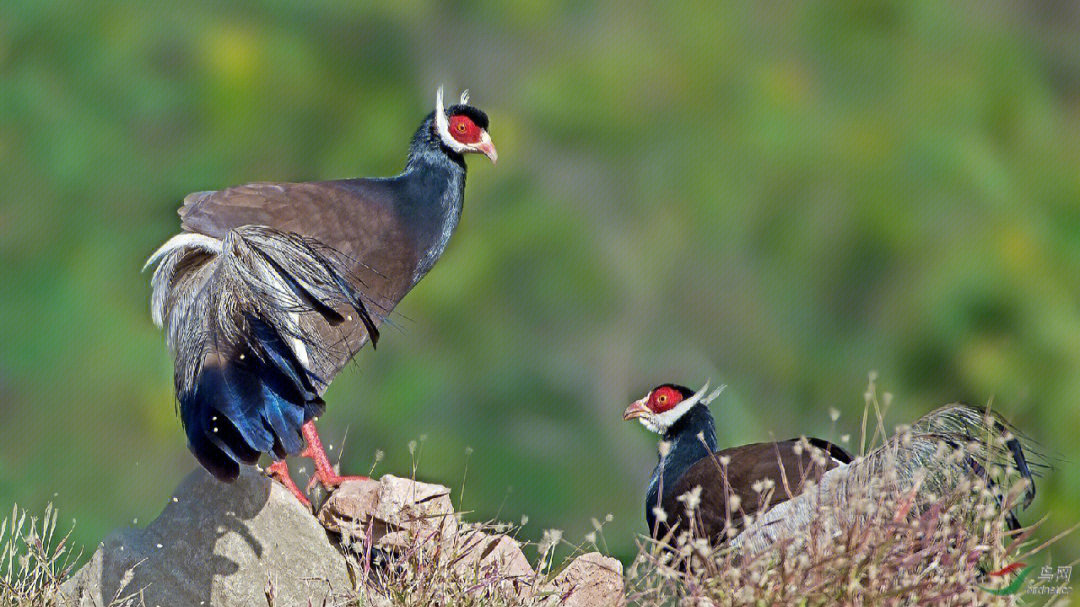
[{"x": 779, "y": 197}]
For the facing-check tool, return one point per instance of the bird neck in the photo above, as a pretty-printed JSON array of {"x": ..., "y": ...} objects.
[
  {"x": 434, "y": 191},
  {"x": 690, "y": 439}
]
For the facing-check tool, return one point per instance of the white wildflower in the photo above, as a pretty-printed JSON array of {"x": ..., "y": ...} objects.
[
  {"x": 659, "y": 513},
  {"x": 691, "y": 499}
]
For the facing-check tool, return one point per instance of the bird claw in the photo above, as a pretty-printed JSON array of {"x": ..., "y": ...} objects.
[
  {"x": 325, "y": 474},
  {"x": 324, "y": 470},
  {"x": 336, "y": 480},
  {"x": 330, "y": 479},
  {"x": 279, "y": 471}
]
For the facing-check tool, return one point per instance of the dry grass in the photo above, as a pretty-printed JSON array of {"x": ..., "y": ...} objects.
[
  {"x": 890, "y": 549},
  {"x": 33, "y": 561},
  {"x": 442, "y": 570},
  {"x": 889, "y": 557}
]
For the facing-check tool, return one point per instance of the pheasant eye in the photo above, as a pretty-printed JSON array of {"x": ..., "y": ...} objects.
[
  {"x": 461, "y": 127},
  {"x": 662, "y": 399}
]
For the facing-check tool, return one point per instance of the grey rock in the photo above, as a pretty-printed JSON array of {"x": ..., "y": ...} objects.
[
  {"x": 492, "y": 554},
  {"x": 590, "y": 580},
  {"x": 227, "y": 545},
  {"x": 217, "y": 544},
  {"x": 395, "y": 512},
  {"x": 480, "y": 558}
]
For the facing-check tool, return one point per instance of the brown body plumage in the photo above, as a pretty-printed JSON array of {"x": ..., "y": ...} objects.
[{"x": 743, "y": 481}]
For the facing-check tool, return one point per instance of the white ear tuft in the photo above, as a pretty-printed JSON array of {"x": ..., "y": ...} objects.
[
  {"x": 465, "y": 97},
  {"x": 696, "y": 398},
  {"x": 442, "y": 125},
  {"x": 711, "y": 397}
]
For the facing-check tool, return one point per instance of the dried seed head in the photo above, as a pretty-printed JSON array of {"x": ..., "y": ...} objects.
[{"x": 659, "y": 513}]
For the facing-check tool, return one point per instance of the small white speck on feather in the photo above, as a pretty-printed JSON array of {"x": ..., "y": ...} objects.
[
  {"x": 160, "y": 546},
  {"x": 176, "y": 500}
]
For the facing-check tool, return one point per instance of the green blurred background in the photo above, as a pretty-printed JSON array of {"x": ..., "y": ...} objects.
[{"x": 778, "y": 198}]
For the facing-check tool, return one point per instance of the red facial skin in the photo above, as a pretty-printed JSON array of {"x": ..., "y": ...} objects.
[
  {"x": 464, "y": 130},
  {"x": 663, "y": 399}
]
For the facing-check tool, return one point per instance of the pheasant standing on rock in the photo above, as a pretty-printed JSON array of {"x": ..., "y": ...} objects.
[{"x": 271, "y": 288}]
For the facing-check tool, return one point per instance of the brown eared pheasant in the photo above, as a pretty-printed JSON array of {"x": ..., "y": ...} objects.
[
  {"x": 728, "y": 485},
  {"x": 271, "y": 288}
]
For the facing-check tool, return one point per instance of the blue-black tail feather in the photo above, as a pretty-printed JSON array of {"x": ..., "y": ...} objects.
[{"x": 247, "y": 402}]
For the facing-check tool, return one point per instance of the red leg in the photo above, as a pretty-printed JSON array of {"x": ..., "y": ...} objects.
[
  {"x": 279, "y": 471},
  {"x": 324, "y": 471}
]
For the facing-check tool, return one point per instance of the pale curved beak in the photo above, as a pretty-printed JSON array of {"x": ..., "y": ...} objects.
[
  {"x": 487, "y": 148},
  {"x": 635, "y": 410}
]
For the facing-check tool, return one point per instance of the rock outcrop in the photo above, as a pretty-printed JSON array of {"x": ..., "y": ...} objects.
[
  {"x": 251, "y": 543},
  {"x": 400, "y": 516},
  {"x": 217, "y": 544},
  {"x": 590, "y": 579}
]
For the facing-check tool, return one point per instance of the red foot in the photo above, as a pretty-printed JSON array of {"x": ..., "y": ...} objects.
[
  {"x": 324, "y": 470},
  {"x": 279, "y": 471}
]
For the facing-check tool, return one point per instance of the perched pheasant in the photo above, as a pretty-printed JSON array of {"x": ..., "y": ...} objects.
[
  {"x": 689, "y": 459},
  {"x": 271, "y": 288},
  {"x": 767, "y": 479}
]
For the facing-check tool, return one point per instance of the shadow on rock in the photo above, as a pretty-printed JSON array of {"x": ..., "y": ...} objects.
[{"x": 216, "y": 544}]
